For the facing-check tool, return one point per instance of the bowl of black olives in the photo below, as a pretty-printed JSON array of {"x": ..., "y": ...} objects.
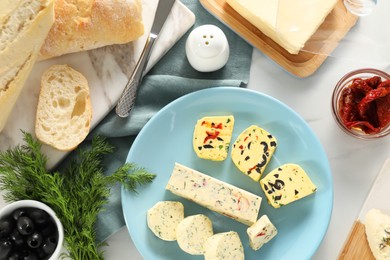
[{"x": 30, "y": 230}]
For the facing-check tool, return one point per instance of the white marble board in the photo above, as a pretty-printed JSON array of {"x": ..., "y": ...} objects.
[
  {"x": 107, "y": 70},
  {"x": 378, "y": 197}
]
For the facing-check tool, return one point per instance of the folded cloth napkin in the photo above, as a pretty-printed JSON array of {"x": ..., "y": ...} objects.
[{"x": 171, "y": 78}]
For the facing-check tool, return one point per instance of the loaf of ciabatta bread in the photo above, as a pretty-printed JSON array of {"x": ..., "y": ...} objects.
[
  {"x": 64, "y": 109},
  {"x": 24, "y": 25},
  {"x": 89, "y": 24}
]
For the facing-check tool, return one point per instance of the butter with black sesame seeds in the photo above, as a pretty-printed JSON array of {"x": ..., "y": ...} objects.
[
  {"x": 286, "y": 184},
  {"x": 214, "y": 194}
]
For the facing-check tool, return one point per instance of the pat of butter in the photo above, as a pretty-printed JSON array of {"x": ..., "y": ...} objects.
[
  {"x": 290, "y": 23},
  {"x": 214, "y": 194},
  {"x": 287, "y": 184}
]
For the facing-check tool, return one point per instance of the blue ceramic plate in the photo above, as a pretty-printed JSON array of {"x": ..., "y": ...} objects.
[{"x": 167, "y": 138}]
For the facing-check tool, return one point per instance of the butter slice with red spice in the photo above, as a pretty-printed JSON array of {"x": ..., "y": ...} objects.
[
  {"x": 214, "y": 194},
  {"x": 261, "y": 232},
  {"x": 212, "y": 135},
  {"x": 252, "y": 151},
  {"x": 286, "y": 184}
]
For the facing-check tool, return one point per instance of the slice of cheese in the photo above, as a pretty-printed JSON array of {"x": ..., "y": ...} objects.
[
  {"x": 377, "y": 227},
  {"x": 261, "y": 232},
  {"x": 252, "y": 151},
  {"x": 212, "y": 137},
  {"x": 286, "y": 184},
  {"x": 214, "y": 194},
  {"x": 290, "y": 23},
  {"x": 164, "y": 217},
  {"x": 226, "y": 245},
  {"x": 192, "y": 233}
]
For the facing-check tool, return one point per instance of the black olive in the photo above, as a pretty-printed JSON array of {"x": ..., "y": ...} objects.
[
  {"x": 15, "y": 256},
  {"x": 19, "y": 213},
  {"x": 5, "y": 249},
  {"x": 29, "y": 255},
  {"x": 49, "y": 230},
  {"x": 25, "y": 226},
  {"x": 16, "y": 238},
  {"x": 39, "y": 216},
  {"x": 41, "y": 254},
  {"x": 50, "y": 245},
  {"x": 34, "y": 240},
  {"x": 6, "y": 227}
]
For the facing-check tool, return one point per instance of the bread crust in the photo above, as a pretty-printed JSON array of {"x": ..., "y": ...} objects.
[
  {"x": 19, "y": 49},
  {"x": 88, "y": 24}
]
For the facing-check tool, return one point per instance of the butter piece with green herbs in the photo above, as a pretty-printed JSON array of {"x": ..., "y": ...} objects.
[
  {"x": 261, "y": 232},
  {"x": 164, "y": 217},
  {"x": 214, "y": 194},
  {"x": 226, "y": 245},
  {"x": 192, "y": 232}
]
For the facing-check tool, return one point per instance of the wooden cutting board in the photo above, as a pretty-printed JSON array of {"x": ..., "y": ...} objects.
[
  {"x": 356, "y": 245},
  {"x": 303, "y": 64}
]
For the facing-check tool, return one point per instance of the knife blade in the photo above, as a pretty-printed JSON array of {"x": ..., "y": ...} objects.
[{"x": 129, "y": 94}]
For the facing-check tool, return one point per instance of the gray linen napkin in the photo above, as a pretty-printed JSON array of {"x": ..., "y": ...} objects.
[{"x": 171, "y": 78}]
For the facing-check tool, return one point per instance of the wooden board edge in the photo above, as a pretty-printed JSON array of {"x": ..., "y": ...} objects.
[
  {"x": 356, "y": 245},
  {"x": 310, "y": 62}
]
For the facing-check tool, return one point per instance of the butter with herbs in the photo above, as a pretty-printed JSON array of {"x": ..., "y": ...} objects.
[
  {"x": 211, "y": 139},
  {"x": 192, "y": 233},
  {"x": 377, "y": 229},
  {"x": 286, "y": 184},
  {"x": 225, "y": 245},
  {"x": 261, "y": 232},
  {"x": 214, "y": 194},
  {"x": 252, "y": 151},
  {"x": 164, "y": 217}
]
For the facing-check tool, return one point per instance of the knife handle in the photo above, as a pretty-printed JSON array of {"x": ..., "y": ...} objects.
[{"x": 127, "y": 99}]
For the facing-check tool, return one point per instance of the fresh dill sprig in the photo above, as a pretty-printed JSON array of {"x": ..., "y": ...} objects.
[{"x": 77, "y": 195}]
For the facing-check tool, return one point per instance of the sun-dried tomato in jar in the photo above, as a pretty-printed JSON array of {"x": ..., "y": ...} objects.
[{"x": 365, "y": 104}]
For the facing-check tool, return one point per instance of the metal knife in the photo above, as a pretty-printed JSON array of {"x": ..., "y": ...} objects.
[{"x": 129, "y": 94}]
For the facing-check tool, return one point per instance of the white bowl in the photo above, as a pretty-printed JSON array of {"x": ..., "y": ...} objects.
[{"x": 8, "y": 209}]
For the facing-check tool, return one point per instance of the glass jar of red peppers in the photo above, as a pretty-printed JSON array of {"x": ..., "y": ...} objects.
[{"x": 361, "y": 103}]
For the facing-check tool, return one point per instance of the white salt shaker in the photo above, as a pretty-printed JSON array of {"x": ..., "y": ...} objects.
[{"x": 207, "y": 48}]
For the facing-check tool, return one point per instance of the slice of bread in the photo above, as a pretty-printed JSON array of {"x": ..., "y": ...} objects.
[
  {"x": 24, "y": 25},
  {"x": 64, "y": 110}
]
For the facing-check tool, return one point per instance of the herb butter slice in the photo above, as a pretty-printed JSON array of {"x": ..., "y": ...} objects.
[
  {"x": 286, "y": 184},
  {"x": 226, "y": 245},
  {"x": 252, "y": 151},
  {"x": 214, "y": 194},
  {"x": 164, "y": 217},
  {"x": 377, "y": 227},
  {"x": 212, "y": 135},
  {"x": 261, "y": 232},
  {"x": 192, "y": 232}
]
